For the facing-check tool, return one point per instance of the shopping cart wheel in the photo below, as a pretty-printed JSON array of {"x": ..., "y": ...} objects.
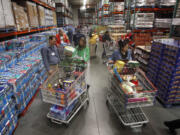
[{"x": 86, "y": 105}]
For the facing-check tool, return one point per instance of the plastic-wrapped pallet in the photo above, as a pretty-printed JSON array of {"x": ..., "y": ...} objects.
[
  {"x": 140, "y": 3},
  {"x": 32, "y": 14},
  {"x": 167, "y": 2},
  {"x": 2, "y": 17},
  {"x": 41, "y": 15},
  {"x": 20, "y": 15},
  {"x": 143, "y": 20},
  {"x": 163, "y": 23},
  {"x": 7, "y": 10}
]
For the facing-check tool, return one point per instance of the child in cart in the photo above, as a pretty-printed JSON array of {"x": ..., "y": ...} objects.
[{"x": 123, "y": 53}]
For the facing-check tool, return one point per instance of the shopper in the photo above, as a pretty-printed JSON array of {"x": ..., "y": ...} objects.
[
  {"x": 93, "y": 38},
  {"x": 70, "y": 34},
  {"x": 82, "y": 51},
  {"x": 50, "y": 55},
  {"x": 62, "y": 38},
  {"x": 173, "y": 125},
  {"x": 124, "y": 53},
  {"x": 105, "y": 39},
  {"x": 76, "y": 37}
]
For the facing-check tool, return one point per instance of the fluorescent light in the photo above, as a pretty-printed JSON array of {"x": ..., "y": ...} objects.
[
  {"x": 83, "y": 8},
  {"x": 84, "y": 2}
]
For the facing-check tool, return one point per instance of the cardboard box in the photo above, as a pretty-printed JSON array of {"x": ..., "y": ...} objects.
[
  {"x": 54, "y": 18},
  {"x": 32, "y": 14},
  {"x": 20, "y": 15},
  {"x": 41, "y": 16}
]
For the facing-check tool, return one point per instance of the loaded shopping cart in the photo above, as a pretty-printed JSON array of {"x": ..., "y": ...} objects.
[
  {"x": 66, "y": 90},
  {"x": 129, "y": 91}
]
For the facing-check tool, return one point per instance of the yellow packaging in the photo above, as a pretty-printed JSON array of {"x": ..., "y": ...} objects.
[{"x": 119, "y": 65}]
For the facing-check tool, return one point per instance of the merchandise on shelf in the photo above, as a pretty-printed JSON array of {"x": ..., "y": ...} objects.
[
  {"x": 49, "y": 17},
  {"x": 20, "y": 15},
  {"x": 142, "y": 38},
  {"x": 142, "y": 20},
  {"x": 6, "y": 14},
  {"x": 167, "y": 2},
  {"x": 141, "y": 3},
  {"x": 163, "y": 23},
  {"x": 32, "y": 14},
  {"x": 118, "y": 6},
  {"x": 41, "y": 15}
]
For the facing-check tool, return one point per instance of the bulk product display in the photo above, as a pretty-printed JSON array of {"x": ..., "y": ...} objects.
[
  {"x": 162, "y": 23},
  {"x": 142, "y": 20},
  {"x": 116, "y": 31},
  {"x": 167, "y": 2},
  {"x": 7, "y": 108},
  {"x": 21, "y": 73},
  {"x": 142, "y": 38},
  {"x": 129, "y": 91},
  {"x": 142, "y": 55},
  {"x": 20, "y": 15},
  {"x": 166, "y": 73},
  {"x": 6, "y": 15},
  {"x": 67, "y": 90},
  {"x": 175, "y": 28},
  {"x": 32, "y": 14}
]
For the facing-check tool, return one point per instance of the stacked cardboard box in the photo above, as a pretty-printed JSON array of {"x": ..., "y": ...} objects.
[
  {"x": 20, "y": 14},
  {"x": 41, "y": 15},
  {"x": 142, "y": 38},
  {"x": 54, "y": 18},
  {"x": 6, "y": 14},
  {"x": 32, "y": 14}
]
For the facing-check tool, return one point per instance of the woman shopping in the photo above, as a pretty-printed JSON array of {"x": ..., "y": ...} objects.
[
  {"x": 82, "y": 51},
  {"x": 123, "y": 53}
]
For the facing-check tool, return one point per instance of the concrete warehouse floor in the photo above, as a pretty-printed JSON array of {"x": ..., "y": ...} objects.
[{"x": 97, "y": 119}]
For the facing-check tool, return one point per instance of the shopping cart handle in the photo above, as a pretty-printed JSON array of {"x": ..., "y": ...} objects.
[{"x": 117, "y": 74}]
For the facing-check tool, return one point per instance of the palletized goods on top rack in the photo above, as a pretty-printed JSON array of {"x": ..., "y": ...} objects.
[{"x": 142, "y": 20}]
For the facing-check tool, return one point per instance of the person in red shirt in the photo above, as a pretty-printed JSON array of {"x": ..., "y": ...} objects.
[{"x": 62, "y": 38}]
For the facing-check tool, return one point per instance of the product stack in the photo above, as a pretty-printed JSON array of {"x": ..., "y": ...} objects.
[
  {"x": 116, "y": 31},
  {"x": 116, "y": 10},
  {"x": 8, "y": 110},
  {"x": 176, "y": 22},
  {"x": 6, "y": 15},
  {"x": 142, "y": 38},
  {"x": 142, "y": 20},
  {"x": 163, "y": 22},
  {"x": 143, "y": 3},
  {"x": 166, "y": 2},
  {"x": 167, "y": 71}
]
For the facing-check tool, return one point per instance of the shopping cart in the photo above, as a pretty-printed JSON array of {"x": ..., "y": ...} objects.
[
  {"x": 108, "y": 49},
  {"x": 70, "y": 99},
  {"x": 127, "y": 105}
]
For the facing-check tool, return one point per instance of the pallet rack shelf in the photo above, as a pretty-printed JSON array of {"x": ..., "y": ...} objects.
[
  {"x": 16, "y": 33},
  {"x": 43, "y": 4}
]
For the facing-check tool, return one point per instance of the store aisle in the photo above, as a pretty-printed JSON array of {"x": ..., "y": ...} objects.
[{"x": 96, "y": 120}]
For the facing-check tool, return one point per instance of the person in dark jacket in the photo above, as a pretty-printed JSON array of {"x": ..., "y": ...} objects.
[
  {"x": 106, "y": 37},
  {"x": 50, "y": 55},
  {"x": 70, "y": 35},
  {"x": 173, "y": 125},
  {"x": 76, "y": 37}
]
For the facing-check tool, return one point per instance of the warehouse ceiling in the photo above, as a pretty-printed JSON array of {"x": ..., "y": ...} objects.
[{"x": 79, "y": 3}]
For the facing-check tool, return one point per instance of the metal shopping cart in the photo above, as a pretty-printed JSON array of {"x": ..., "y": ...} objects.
[
  {"x": 70, "y": 99},
  {"x": 108, "y": 49},
  {"x": 127, "y": 105}
]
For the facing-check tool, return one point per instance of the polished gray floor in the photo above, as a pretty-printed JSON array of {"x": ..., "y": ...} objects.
[{"x": 96, "y": 119}]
